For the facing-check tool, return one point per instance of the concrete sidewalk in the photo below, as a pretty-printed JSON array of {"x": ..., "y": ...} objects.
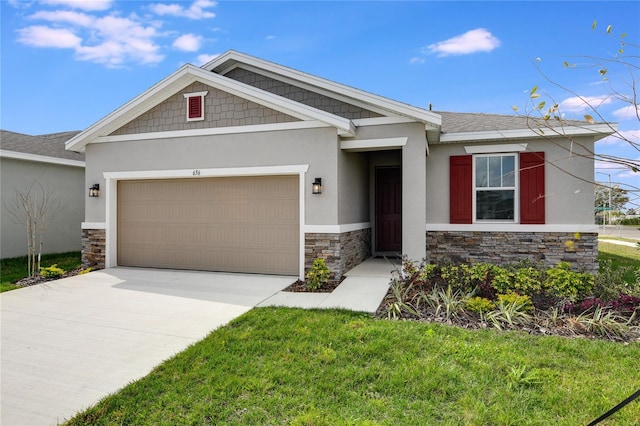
[{"x": 363, "y": 289}]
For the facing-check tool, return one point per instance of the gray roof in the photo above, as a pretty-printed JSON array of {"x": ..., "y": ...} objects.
[
  {"x": 455, "y": 122},
  {"x": 49, "y": 145}
]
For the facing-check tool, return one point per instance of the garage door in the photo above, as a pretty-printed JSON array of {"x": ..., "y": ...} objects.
[{"x": 233, "y": 224}]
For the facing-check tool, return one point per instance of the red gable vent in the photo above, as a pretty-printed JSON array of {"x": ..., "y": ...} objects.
[{"x": 195, "y": 105}]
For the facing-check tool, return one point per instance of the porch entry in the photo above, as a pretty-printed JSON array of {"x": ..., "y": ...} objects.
[{"x": 388, "y": 181}]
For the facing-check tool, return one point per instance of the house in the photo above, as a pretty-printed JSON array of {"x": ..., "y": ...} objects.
[
  {"x": 250, "y": 166},
  {"x": 27, "y": 160}
]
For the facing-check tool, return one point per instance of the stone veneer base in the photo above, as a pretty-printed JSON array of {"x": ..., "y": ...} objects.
[
  {"x": 341, "y": 251},
  {"x": 548, "y": 248},
  {"x": 93, "y": 248}
]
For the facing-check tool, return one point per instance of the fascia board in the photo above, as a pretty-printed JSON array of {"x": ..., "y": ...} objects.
[
  {"x": 387, "y": 104},
  {"x": 186, "y": 75},
  {"x": 142, "y": 102},
  {"x": 601, "y": 130},
  {"x": 40, "y": 158}
]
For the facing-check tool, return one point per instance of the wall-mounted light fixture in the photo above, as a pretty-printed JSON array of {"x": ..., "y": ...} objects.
[
  {"x": 94, "y": 191},
  {"x": 317, "y": 186}
]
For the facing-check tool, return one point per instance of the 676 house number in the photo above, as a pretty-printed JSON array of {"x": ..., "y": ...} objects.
[{"x": 196, "y": 172}]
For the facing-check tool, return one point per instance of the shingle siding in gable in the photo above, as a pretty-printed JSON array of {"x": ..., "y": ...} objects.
[
  {"x": 222, "y": 109},
  {"x": 303, "y": 96}
]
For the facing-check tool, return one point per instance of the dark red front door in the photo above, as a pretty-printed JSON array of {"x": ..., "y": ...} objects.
[{"x": 389, "y": 209}]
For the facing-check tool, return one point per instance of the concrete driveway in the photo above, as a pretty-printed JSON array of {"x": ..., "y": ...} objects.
[{"x": 70, "y": 342}]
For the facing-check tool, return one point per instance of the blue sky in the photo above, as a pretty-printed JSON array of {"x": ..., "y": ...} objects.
[{"x": 68, "y": 63}]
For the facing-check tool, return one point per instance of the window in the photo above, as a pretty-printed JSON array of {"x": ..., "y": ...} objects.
[
  {"x": 195, "y": 105},
  {"x": 495, "y": 187}
]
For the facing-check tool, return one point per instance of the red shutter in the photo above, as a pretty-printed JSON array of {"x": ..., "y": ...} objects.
[
  {"x": 195, "y": 107},
  {"x": 532, "y": 193},
  {"x": 460, "y": 189}
]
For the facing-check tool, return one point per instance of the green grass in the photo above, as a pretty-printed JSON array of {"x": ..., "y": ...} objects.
[
  {"x": 14, "y": 269},
  {"x": 620, "y": 256},
  {"x": 306, "y": 367}
]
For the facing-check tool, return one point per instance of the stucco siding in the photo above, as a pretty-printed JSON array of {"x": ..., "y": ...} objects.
[
  {"x": 569, "y": 193},
  {"x": 221, "y": 109},
  {"x": 301, "y": 95},
  {"x": 353, "y": 184},
  {"x": 66, "y": 185},
  {"x": 316, "y": 147}
]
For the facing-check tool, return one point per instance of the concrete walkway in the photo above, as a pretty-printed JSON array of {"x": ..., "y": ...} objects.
[
  {"x": 363, "y": 290},
  {"x": 620, "y": 243}
]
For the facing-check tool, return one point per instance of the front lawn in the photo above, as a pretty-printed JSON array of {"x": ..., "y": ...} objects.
[
  {"x": 305, "y": 367},
  {"x": 14, "y": 269},
  {"x": 620, "y": 256}
]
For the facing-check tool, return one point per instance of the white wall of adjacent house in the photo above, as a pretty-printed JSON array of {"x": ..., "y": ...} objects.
[{"x": 65, "y": 183}]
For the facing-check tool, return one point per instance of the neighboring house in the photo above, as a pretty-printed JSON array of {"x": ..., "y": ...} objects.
[
  {"x": 41, "y": 160},
  {"x": 213, "y": 168}
]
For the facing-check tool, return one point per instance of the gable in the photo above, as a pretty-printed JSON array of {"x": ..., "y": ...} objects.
[
  {"x": 222, "y": 109},
  {"x": 299, "y": 94}
]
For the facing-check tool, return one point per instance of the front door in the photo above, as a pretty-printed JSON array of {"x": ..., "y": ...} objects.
[{"x": 388, "y": 209}]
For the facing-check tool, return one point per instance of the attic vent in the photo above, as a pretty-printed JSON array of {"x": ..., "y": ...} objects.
[{"x": 195, "y": 105}]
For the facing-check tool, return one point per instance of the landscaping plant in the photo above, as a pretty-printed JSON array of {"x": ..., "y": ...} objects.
[
  {"x": 318, "y": 275},
  {"x": 556, "y": 300}
]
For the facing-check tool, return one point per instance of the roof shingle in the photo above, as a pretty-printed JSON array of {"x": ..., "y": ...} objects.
[{"x": 48, "y": 145}]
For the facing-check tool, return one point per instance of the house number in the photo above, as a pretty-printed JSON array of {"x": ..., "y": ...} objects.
[{"x": 196, "y": 172}]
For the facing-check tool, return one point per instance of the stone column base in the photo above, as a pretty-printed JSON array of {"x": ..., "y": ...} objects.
[
  {"x": 93, "y": 248},
  {"x": 341, "y": 251}
]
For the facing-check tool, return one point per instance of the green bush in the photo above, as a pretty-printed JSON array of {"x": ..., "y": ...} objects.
[
  {"x": 511, "y": 298},
  {"x": 479, "y": 305},
  {"x": 634, "y": 221},
  {"x": 528, "y": 281},
  {"x": 609, "y": 283},
  {"x": 318, "y": 275},
  {"x": 562, "y": 282},
  {"x": 52, "y": 271}
]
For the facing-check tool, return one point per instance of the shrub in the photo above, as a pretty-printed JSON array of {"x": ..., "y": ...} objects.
[
  {"x": 610, "y": 283},
  {"x": 510, "y": 314},
  {"x": 479, "y": 305},
  {"x": 318, "y": 275},
  {"x": 457, "y": 276},
  {"x": 527, "y": 281},
  {"x": 514, "y": 298},
  {"x": 52, "y": 271},
  {"x": 562, "y": 282}
]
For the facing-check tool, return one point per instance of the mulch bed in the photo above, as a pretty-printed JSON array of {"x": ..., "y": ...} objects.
[
  {"x": 39, "y": 279},
  {"x": 301, "y": 287}
]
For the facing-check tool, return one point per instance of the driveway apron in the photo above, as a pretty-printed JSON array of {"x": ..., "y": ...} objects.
[{"x": 66, "y": 344}]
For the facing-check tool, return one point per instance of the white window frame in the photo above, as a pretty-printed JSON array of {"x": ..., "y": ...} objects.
[
  {"x": 515, "y": 188},
  {"x": 201, "y": 95}
]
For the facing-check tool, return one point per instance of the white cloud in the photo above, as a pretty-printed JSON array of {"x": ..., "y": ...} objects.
[
  {"x": 88, "y": 5},
  {"x": 41, "y": 36},
  {"x": 478, "y": 40},
  {"x": 578, "y": 104},
  {"x": 417, "y": 60},
  {"x": 109, "y": 40},
  {"x": 195, "y": 11},
  {"x": 188, "y": 43},
  {"x": 62, "y": 16},
  {"x": 204, "y": 58},
  {"x": 270, "y": 37},
  {"x": 622, "y": 137},
  {"x": 627, "y": 113}
]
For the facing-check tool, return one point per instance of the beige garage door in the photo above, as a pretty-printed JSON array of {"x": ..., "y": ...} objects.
[{"x": 233, "y": 224}]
